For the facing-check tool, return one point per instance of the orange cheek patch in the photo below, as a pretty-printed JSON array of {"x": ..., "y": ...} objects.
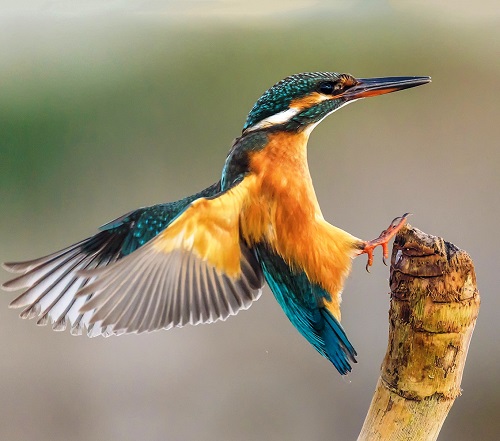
[{"x": 307, "y": 101}]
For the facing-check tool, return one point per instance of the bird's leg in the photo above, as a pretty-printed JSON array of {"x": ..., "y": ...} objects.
[{"x": 383, "y": 240}]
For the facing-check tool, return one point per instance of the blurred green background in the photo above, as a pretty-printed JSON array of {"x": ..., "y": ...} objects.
[{"x": 107, "y": 107}]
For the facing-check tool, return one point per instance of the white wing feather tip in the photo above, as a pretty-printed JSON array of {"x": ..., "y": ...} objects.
[
  {"x": 91, "y": 286},
  {"x": 43, "y": 321},
  {"x": 29, "y": 313}
]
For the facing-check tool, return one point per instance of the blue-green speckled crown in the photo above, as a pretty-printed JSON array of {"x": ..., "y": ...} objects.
[{"x": 278, "y": 98}]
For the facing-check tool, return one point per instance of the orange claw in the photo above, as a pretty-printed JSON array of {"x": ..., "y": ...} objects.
[{"x": 383, "y": 240}]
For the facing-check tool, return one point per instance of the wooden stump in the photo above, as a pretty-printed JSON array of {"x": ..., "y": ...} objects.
[{"x": 434, "y": 305}]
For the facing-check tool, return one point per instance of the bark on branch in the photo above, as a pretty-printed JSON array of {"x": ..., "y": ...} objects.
[{"x": 434, "y": 305}]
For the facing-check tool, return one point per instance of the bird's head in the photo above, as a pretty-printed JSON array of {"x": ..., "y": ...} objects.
[{"x": 301, "y": 101}]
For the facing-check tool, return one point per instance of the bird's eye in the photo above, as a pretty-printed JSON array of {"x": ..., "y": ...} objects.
[
  {"x": 326, "y": 87},
  {"x": 329, "y": 88}
]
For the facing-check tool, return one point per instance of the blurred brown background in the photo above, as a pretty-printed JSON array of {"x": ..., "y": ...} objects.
[{"x": 107, "y": 106}]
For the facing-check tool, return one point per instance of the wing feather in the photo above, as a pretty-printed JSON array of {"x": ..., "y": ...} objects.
[
  {"x": 191, "y": 269},
  {"x": 184, "y": 287}
]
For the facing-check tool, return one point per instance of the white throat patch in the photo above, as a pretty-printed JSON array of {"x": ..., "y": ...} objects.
[
  {"x": 276, "y": 119},
  {"x": 287, "y": 115}
]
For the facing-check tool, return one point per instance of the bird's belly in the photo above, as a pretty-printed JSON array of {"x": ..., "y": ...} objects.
[{"x": 297, "y": 232}]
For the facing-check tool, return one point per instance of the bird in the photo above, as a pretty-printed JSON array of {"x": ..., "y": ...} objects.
[{"x": 206, "y": 257}]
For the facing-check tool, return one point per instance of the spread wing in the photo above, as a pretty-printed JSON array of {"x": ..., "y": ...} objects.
[
  {"x": 304, "y": 304},
  {"x": 195, "y": 270}
]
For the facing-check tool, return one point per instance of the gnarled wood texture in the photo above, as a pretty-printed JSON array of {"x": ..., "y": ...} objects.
[{"x": 434, "y": 305}]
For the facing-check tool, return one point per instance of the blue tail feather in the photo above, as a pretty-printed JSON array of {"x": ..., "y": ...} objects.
[
  {"x": 301, "y": 301},
  {"x": 338, "y": 347}
]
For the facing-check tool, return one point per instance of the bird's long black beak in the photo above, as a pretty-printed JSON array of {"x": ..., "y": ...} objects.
[{"x": 367, "y": 87}]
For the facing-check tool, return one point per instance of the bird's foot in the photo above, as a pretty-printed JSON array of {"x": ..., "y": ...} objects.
[{"x": 383, "y": 240}]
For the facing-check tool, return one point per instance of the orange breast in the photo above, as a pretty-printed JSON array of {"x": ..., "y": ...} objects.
[{"x": 283, "y": 211}]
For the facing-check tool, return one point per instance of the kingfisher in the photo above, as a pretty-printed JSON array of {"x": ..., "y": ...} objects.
[{"x": 204, "y": 258}]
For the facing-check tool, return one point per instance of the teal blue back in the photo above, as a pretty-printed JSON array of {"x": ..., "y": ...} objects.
[{"x": 142, "y": 225}]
